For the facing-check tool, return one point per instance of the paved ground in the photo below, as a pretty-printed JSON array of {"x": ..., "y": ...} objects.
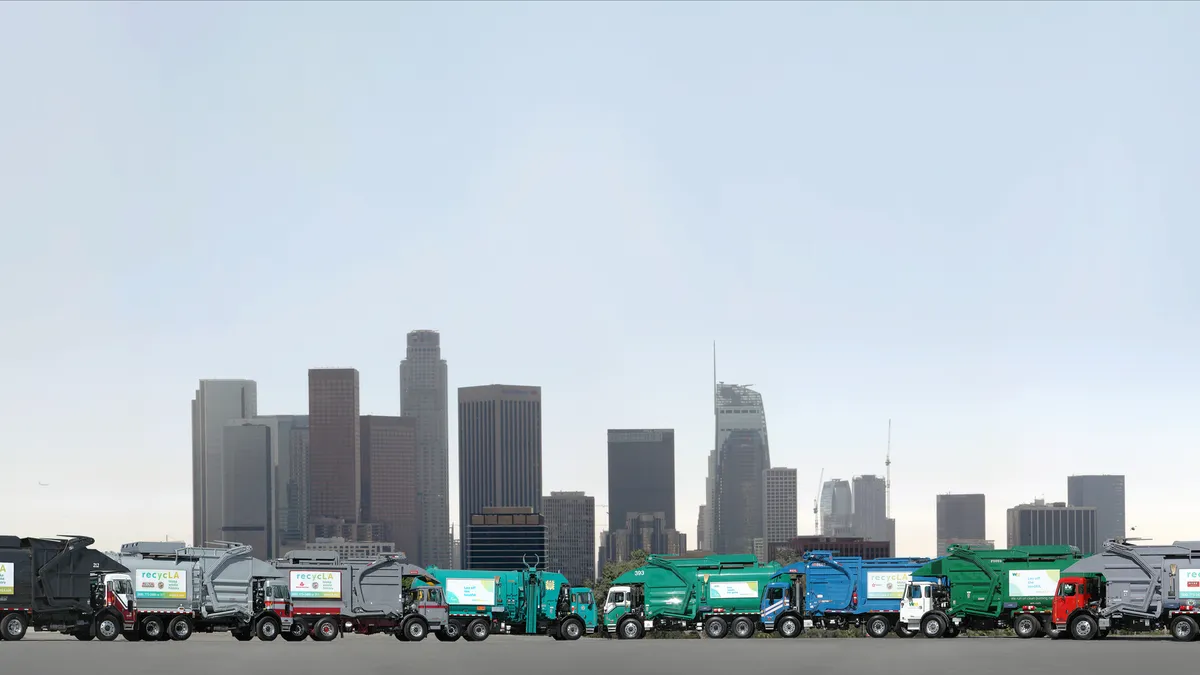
[{"x": 380, "y": 654}]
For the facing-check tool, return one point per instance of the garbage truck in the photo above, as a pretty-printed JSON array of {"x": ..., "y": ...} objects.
[
  {"x": 1133, "y": 588},
  {"x": 986, "y": 589},
  {"x": 332, "y": 596},
  {"x": 823, "y": 590},
  {"x": 179, "y": 589},
  {"x": 529, "y": 601},
  {"x": 719, "y": 594},
  {"x": 62, "y": 585}
]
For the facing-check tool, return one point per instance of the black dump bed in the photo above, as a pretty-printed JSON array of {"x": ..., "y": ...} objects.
[{"x": 53, "y": 574}]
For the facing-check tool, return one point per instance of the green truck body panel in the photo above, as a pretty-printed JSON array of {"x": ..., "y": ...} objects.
[
  {"x": 502, "y": 596},
  {"x": 674, "y": 587},
  {"x": 992, "y": 583}
]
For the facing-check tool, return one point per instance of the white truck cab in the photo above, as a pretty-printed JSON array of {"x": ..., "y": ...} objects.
[
  {"x": 922, "y": 610},
  {"x": 121, "y": 586},
  {"x": 618, "y": 596}
]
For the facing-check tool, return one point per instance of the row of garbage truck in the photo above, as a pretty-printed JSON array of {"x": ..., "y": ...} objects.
[
  {"x": 1051, "y": 591},
  {"x": 169, "y": 591}
]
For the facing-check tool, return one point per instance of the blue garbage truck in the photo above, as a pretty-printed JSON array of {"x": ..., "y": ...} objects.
[{"x": 824, "y": 590}]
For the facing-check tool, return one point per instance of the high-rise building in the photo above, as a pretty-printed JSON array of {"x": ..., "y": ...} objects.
[
  {"x": 707, "y": 533},
  {"x": 499, "y": 452},
  {"x": 780, "y": 510},
  {"x": 837, "y": 508},
  {"x": 646, "y": 532},
  {"x": 847, "y": 546},
  {"x": 389, "y": 450},
  {"x": 248, "y": 514},
  {"x": 1106, "y": 493},
  {"x": 641, "y": 474},
  {"x": 287, "y": 440},
  {"x": 425, "y": 396},
  {"x": 216, "y": 402},
  {"x": 742, "y": 456},
  {"x": 960, "y": 517},
  {"x": 334, "y": 450},
  {"x": 1042, "y": 524},
  {"x": 571, "y": 535},
  {"x": 505, "y": 538},
  {"x": 870, "y": 508},
  {"x": 701, "y": 530}
]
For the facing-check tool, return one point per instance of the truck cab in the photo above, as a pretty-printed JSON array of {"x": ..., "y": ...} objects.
[
  {"x": 114, "y": 590},
  {"x": 618, "y": 604},
  {"x": 427, "y": 602},
  {"x": 782, "y": 606},
  {"x": 583, "y": 604},
  {"x": 1076, "y": 607},
  {"x": 924, "y": 608}
]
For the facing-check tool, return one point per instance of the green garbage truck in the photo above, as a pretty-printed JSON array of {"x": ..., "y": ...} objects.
[
  {"x": 986, "y": 589},
  {"x": 719, "y": 594}
]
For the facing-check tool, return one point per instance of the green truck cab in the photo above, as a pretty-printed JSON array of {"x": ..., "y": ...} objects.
[
  {"x": 985, "y": 589},
  {"x": 720, "y": 594}
]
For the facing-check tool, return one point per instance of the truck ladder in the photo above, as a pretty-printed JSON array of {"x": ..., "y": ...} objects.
[
  {"x": 1155, "y": 588},
  {"x": 972, "y": 557},
  {"x": 227, "y": 557}
]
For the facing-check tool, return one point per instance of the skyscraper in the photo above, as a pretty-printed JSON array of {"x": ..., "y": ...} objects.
[
  {"x": 499, "y": 451},
  {"x": 248, "y": 514},
  {"x": 334, "y": 452},
  {"x": 571, "y": 535},
  {"x": 216, "y": 402},
  {"x": 780, "y": 510},
  {"x": 960, "y": 518},
  {"x": 389, "y": 449},
  {"x": 1053, "y": 524},
  {"x": 287, "y": 443},
  {"x": 870, "y": 508},
  {"x": 1105, "y": 493},
  {"x": 837, "y": 508},
  {"x": 424, "y": 395},
  {"x": 742, "y": 456},
  {"x": 707, "y": 533},
  {"x": 641, "y": 474}
]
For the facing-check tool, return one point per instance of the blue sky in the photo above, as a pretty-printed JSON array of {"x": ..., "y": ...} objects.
[{"x": 975, "y": 219}]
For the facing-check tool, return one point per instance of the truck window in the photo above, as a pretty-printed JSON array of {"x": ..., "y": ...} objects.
[
  {"x": 435, "y": 596},
  {"x": 618, "y": 598},
  {"x": 774, "y": 594},
  {"x": 916, "y": 592},
  {"x": 1068, "y": 590}
]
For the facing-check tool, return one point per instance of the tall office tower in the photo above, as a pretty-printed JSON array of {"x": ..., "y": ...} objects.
[
  {"x": 571, "y": 535},
  {"x": 780, "y": 510},
  {"x": 499, "y": 452},
  {"x": 960, "y": 518},
  {"x": 505, "y": 538},
  {"x": 641, "y": 474},
  {"x": 216, "y": 402},
  {"x": 707, "y": 535},
  {"x": 286, "y": 437},
  {"x": 870, "y": 508},
  {"x": 1107, "y": 494},
  {"x": 1042, "y": 524},
  {"x": 742, "y": 456},
  {"x": 837, "y": 508},
  {"x": 701, "y": 519},
  {"x": 389, "y": 450},
  {"x": 424, "y": 395},
  {"x": 334, "y": 445},
  {"x": 248, "y": 514}
]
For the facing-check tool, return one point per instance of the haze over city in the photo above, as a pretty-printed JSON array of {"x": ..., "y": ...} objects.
[{"x": 974, "y": 220}]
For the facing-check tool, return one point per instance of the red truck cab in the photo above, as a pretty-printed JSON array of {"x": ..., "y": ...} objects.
[{"x": 1074, "y": 596}]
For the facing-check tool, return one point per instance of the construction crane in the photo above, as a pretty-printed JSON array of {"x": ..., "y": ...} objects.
[{"x": 816, "y": 512}]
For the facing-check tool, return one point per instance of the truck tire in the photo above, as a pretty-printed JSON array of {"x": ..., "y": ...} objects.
[
  {"x": 742, "y": 628},
  {"x": 13, "y": 627},
  {"x": 415, "y": 629},
  {"x": 325, "y": 630},
  {"x": 629, "y": 629},
  {"x": 180, "y": 628},
  {"x": 878, "y": 626},
  {"x": 152, "y": 628},
  {"x": 788, "y": 627},
  {"x": 267, "y": 628},
  {"x": 1084, "y": 627},
  {"x": 478, "y": 630},
  {"x": 242, "y": 634},
  {"x": 133, "y": 635},
  {"x": 108, "y": 627},
  {"x": 451, "y": 632},
  {"x": 932, "y": 626},
  {"x": 952, "y": 631},
  {"x": 903, "y": 631},
  {"x": 1183, "y": 629},
  {"x": 1026, "y": 626},
  {"x": 571, "y": 629},
  {"x": 83, "y": 635},
  {"x": 298, "y": 632},
  {"x": 715, "y": 627}
]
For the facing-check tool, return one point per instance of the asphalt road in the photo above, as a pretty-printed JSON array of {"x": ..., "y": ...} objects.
[{"x": 508, "y": 655}]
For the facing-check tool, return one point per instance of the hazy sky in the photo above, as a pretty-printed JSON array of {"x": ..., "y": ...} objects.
[{"x": 976, "y": 219}]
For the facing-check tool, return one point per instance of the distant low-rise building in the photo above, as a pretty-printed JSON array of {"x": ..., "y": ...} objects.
[
  {"x": 506, "y": 538},
  {"x": 846, "y": 546},
  {"x": 1053, "y": 524}
]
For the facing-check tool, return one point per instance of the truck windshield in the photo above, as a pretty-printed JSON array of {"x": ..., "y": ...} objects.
[
  {"x": 616, "y": 597},
  {"x": 582, "y": 598},
  {"x": 1067, "y": 590},
  {"x": 916, "y": 592},
  {"x": 123, "y": 586}
]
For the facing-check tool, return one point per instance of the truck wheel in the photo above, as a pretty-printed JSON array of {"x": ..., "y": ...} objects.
[
  {"x": 903, "y": 631},
  {"x": 1183, "y": 628},
  {"x": 478, "y": 630},
  {"x": 788, "y": 627},
  {"x": 180, "y": 628},
  {"x": 13, "y": 626},
  {"x": 241, "y": 634},
  {"x": 297, "y": 633},
  {"x": 132, "y": 635},
  {"x": 108, "y": 627},
  {"x": 742, "y": 628},
  {"x": 152, "y": 628},
  {"x": 715, "y": 627},
  {"x": 932, "y": 626},
  {"x": 415, "y": 629},
  {"x": 267, "y": 628},
  {"x": 1025, "y": 626},
  {"x": 83, "y": 635},
  {"x": 325, "y": 630},
  {"x": 1084, "y": 627},
  {"x": 571, "y": 629},
  {"x": 629, "y": 629},
  {"x": 878, "y": 626},
  {"x": 952, "y": 631}
]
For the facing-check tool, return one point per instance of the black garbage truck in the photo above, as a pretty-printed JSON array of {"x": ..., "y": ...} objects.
[{"x": 62, "y": 585}]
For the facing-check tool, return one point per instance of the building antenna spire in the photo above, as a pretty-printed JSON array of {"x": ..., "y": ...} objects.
[{"x": 888, "y": 463}]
